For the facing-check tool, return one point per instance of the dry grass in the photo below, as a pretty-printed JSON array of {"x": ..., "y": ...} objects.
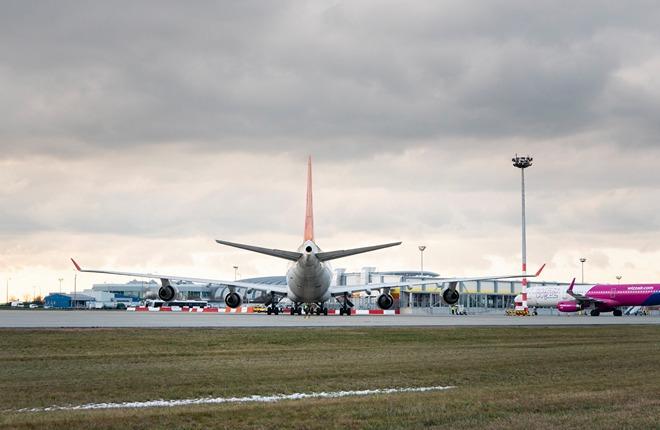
[{"x": 607, "y": 377}]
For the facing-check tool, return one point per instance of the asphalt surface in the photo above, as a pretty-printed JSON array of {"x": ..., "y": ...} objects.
[{"x": 109, "y": 319}]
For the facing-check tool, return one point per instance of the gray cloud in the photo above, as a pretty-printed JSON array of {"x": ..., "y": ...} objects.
[
  {"x": 153, "y": 127},
  {"x": 269, "y": 76}
]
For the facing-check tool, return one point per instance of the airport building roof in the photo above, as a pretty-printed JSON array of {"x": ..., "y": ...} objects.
[{"x": 74, "y": 296}]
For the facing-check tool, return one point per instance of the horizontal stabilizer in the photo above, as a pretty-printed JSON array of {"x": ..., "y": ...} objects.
[
  {"x": 332, "y": 255},
  {"x": 287, "y": 255}
]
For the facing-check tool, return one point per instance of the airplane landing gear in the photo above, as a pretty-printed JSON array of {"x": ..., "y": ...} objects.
[
  {"x": 296, "y": 309},
  {"x": 594, "y": 312},
  {"x": 271, "y": 304},
  {"x": 320, "y": 309},
  {"x": 346, "y": 305},
  {"x": 617, "y": 312}
]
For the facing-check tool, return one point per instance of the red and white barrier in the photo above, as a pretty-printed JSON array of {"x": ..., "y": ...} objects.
[
  {"x": 249, "y": 310},
  {"x": 366, "y": 312},
  {"x": 241, "y": 310},
  {"x": 375, "y": 312}
]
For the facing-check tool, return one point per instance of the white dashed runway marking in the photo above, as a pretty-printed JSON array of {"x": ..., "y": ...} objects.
[{"x": 220, "y": 400}]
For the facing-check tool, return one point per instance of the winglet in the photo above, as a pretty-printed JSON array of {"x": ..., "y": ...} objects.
[
  {"x": 570, "y": 288},
  {"x": 76, "y": 264},
  {"x": 309, "y": 210},
  {"x": 539, "y": 271}
]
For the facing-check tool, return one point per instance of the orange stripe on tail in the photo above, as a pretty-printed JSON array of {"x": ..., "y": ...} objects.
[{"x": 309, "y": 212}]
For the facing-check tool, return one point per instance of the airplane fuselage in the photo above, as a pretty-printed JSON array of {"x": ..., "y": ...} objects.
[
  {"x": 550, "y": 295},
  {"x": 609, "y": 296},
  {"x": 309, "y": 278}
]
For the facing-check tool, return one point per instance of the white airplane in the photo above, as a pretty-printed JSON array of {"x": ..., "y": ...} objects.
[{"x": 309, "y": 278}]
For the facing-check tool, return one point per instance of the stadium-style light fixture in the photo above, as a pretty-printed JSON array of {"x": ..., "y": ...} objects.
[
  {"x": 421, "y": 254},
  {"x": 583, "y": 260},
  {"x": 522, "y": 163}
]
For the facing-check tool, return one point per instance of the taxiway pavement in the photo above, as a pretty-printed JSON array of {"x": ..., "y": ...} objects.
[{"x": 116, "y": 319}]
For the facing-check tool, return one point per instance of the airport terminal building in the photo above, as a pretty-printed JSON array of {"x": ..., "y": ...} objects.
[{"x": 476, "y": 296}]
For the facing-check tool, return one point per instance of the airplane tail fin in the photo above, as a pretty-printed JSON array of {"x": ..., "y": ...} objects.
[
  {"x": 287, "y": 255},
  {"x": 331, "y": 255},
  {"x": 309, "y": 211}
]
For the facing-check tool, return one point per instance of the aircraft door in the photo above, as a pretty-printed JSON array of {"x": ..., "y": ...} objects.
[{"x": 612, "y": 292}]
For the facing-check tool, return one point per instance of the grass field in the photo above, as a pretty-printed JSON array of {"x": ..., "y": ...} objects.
[{"x": 593, "y": 377}]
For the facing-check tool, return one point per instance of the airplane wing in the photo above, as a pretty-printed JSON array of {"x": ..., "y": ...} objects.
[
  {"x": 282, "y": 289},
  {"x": 582, "y": 299},
  {"x": 343, "y": 289},
  {"x": 576, "y": 296}
]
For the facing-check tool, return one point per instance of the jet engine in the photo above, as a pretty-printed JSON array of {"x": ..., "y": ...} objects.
[
  {"x": 168, "y": 292},
  {"x": 385, "y": 301},
  {"x": 450, "y": 296},
  {"x": 233, "y": 300},
  {"x": 568, "y": 306}
]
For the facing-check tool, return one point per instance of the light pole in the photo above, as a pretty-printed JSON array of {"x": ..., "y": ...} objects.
[
  {"x": 75, "y": 282},
  {"x": 523, "y": 163},
  {"x": 421, "y": 255},
  {"x": 583, "y": 260},
  {"x": 618, "y": 278},
  {"x": 60, "y": 279},
  {"x": 7, "y": 291},
  {"x": 235, "y": 272}
]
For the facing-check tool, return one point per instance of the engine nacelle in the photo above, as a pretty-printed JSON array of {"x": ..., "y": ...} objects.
[
  {"x": 167, "y": 293},
  {"x": 385, "y": 301},
  {"x": 450, "y": 296},
  {"x": 568, "y": 306},
  {"x": 233, "y": 300}
]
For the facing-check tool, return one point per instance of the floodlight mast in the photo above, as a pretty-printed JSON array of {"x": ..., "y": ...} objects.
[
  {"x": 421, "y": 253},
  {"x": 523, "y": 163}
]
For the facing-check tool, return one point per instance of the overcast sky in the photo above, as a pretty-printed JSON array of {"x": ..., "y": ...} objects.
[{"x": 133, "y": 134}]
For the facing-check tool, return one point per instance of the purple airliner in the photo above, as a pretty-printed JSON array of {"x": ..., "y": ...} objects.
[{"x": 597, "y": 298}]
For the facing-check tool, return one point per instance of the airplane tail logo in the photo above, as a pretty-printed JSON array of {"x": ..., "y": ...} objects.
[{"x": 309, "y": 212}]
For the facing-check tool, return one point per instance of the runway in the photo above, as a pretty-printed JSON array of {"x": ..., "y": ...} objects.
[{"x": 116, "y": 319}]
